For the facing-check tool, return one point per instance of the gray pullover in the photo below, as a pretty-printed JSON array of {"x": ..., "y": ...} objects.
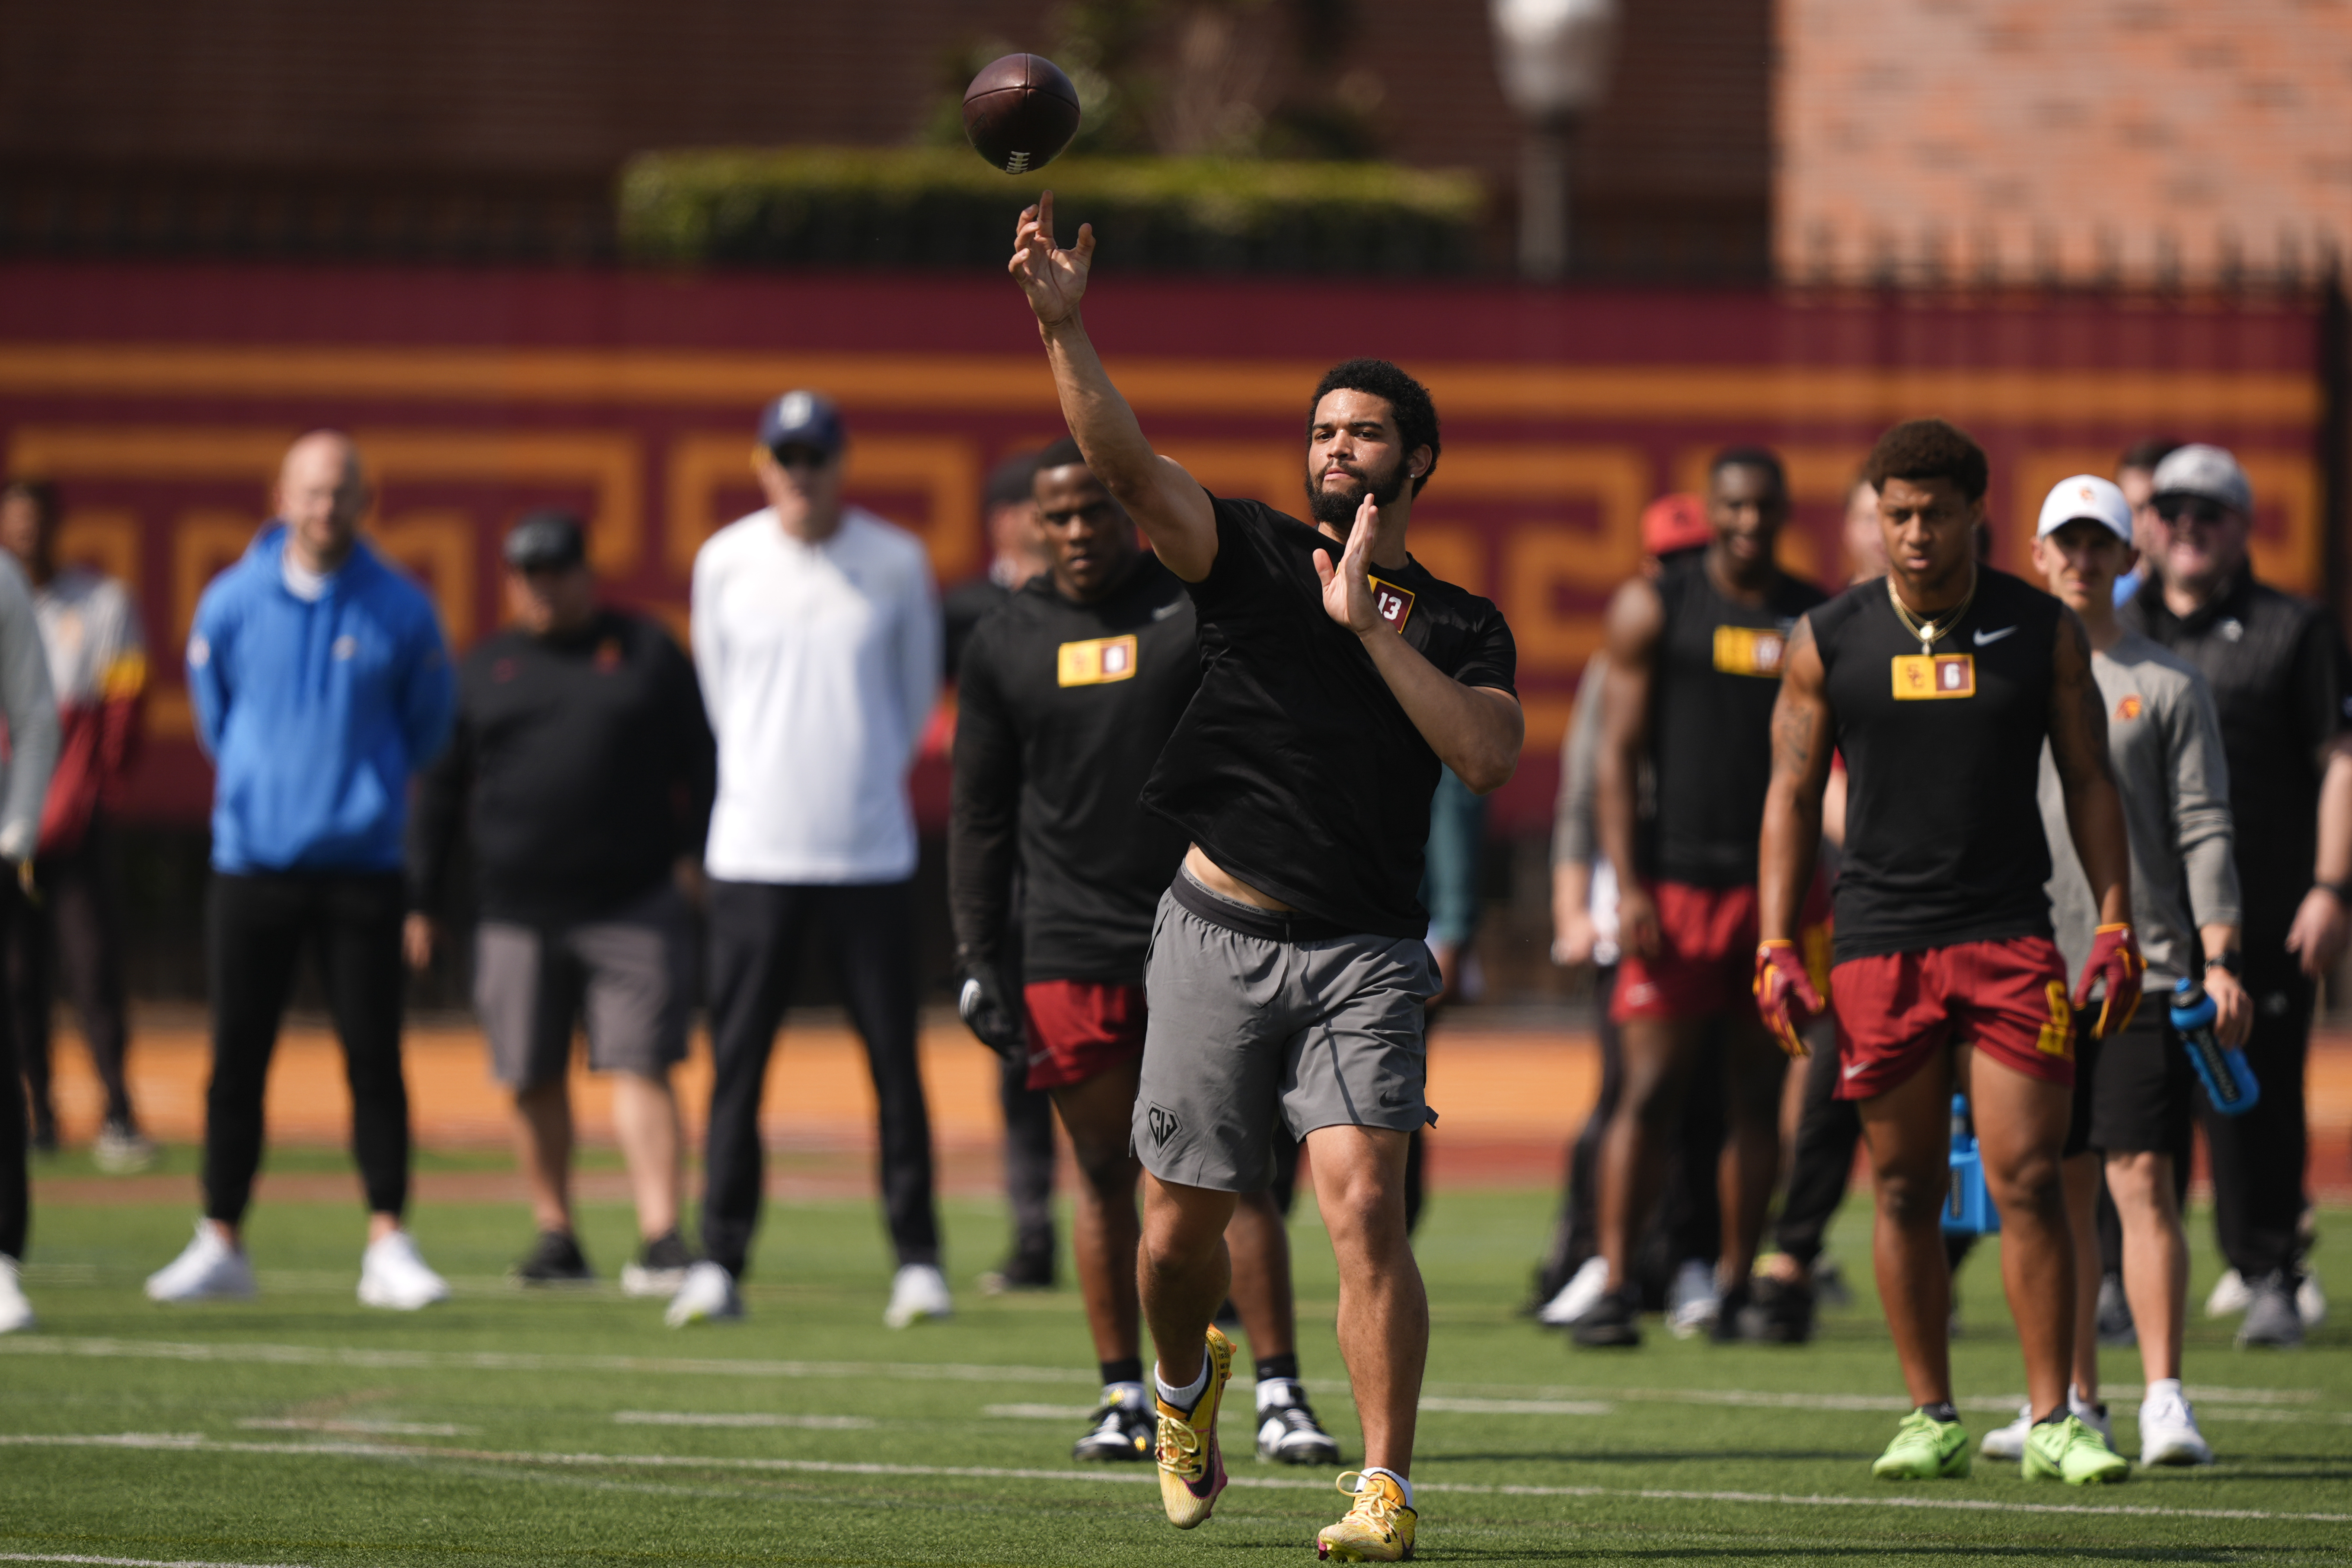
[{"x": 2165, "y": 742}]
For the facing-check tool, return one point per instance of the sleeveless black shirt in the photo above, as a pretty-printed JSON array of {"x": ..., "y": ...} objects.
[
  {"x": 1943, "y": 841},
  {"x": 1717, "y": 676}
]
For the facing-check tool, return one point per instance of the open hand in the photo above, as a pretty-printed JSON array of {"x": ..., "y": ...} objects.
[
  {"x": 1054, "y": 281},
  {"x": 1347, "y": 587},
  {"x": 2317, "y": 935}
]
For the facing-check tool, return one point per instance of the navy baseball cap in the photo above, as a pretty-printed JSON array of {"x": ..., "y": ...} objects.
[
  {"x": 802, "y": 419},
  {"x": 546, "y": 542}
]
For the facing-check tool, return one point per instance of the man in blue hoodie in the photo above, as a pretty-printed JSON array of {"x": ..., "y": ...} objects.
[{"x": 321, "y": 684}]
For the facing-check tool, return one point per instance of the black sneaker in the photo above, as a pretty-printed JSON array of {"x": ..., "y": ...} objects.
[
  {"x": 660, "y": 1267},
  {"x": 1734, "y": 1315},
  {"x": 2271, "y": 1322},
  {"x": 1122, "y": 1429},
  {"x": 1287, "y": 1432},
  {"x": 1781, "y": 1311},
  {"x": 1027, "y": 1270},
  {"x": 2117, "y": 1329},
  {"x": 1614, "y": 1319},
  {"x": 554, "y": 1260}
]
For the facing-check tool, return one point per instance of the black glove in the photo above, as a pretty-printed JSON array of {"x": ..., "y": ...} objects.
[{"x": 981, "y": 1003}]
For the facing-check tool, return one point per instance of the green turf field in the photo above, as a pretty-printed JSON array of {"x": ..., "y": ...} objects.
[{"x": 574, "y": 1429}]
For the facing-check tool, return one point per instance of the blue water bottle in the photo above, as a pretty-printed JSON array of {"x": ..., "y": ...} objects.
[
  {"x": 1969, "y": 1207},
  {"x": 2229, "y": 1082}
]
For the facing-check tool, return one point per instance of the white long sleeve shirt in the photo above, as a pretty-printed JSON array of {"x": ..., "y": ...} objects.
[
  {"x": 30, "y": 707},
  {"x": 819, "y": 666}
]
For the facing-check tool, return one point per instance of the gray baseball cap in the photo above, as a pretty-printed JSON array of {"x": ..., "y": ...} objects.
[{"x": 2206, "y": 473}]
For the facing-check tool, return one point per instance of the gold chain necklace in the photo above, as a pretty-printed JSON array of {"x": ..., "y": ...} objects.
[{"x": 1919, "y": 626}]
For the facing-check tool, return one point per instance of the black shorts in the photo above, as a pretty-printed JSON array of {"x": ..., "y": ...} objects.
[{"x": 2134, "y": 1093}]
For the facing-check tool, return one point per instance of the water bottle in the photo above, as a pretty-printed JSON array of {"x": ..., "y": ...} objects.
[
  {"x": 2229, "y": 1082},
  {"x": 1969, "y": 1207}
]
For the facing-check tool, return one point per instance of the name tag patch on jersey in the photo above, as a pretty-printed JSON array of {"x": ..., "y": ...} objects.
[
  {"x": 1095, "y": 661},
  {"x": 1920, "y": 677},
  {"x": 1391, "y": 603},
  {"x": 1749, "y": 650}
]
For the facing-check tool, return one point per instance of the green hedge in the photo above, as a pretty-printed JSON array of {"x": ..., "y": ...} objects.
[{"x": 943, "y": 208}]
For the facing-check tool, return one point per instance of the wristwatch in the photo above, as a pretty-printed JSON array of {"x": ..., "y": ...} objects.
[
  {"x": 2341, "y": 892},
  {"x": 2229, "y": 958}
]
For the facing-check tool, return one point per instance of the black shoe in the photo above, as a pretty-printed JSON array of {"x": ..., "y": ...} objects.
[
  {"x": 2273, "y": 1322},
  {"x": 1027, "y": 1270},
  {"x": 2117, "y": 1329},
  {"x": 554, "y": 1260},
  {"x": 1287, "y": 1431},
  {"x": 1122, "y": 1429},
  {"x": 1734, "y": 1315},
  {"x": 1614, "y": 1319},
  {"x": 1781, "y": 1311},
  {"x": 660, "y": 1269}
]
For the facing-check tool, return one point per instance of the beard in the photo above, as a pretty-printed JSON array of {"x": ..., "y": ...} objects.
[{"x": 1337, "y": 509}]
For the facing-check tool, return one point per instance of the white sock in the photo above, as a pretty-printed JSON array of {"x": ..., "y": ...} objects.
[
  {"x": 1402, "y": 1485},
  {"x": 2077, "y": 1403},
  {"x": 2159, "y": 1388},
  {"x": 1277, "y": 1393},
  {"x": 1182, "y": 1398}
]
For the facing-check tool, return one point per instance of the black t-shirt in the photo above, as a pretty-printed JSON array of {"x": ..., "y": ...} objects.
[
  {"x": 1296, "y": 769},
  {"x": 1061, "y": 709},
  {"x": 1943, "y": 817},
  {"x": 583, "y": 765},
  {"x": 2275, "y": 664},
  {"x": 1715, "y": 679},
  {"x": 961, "y": 609}
]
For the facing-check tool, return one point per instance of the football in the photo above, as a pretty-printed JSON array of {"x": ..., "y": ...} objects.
[{"x": 1020, "y": 112}]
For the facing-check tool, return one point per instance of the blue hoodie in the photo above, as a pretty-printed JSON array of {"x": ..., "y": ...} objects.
[{"x": 315, "y": 713}]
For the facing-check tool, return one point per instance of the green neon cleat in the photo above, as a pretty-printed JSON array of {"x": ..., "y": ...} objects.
[
  {"x": 1925, "y": 1450},
  {"x": 2074, "y": 1452}
]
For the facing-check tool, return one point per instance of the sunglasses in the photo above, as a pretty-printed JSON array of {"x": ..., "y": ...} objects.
[
  {"x": 796, "y": 456},
  {"x": 2202, "y": 512}
]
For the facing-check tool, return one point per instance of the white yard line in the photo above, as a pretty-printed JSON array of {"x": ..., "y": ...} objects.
[
  {"x": 190, "y": 1443},
  {"x": 690, "y": 1418},
  {"x": 130, "y": 1561}
]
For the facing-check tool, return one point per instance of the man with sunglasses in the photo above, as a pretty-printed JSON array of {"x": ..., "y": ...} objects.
[
  {"x": 2275, "y": 664},
  {"x": 816, "y": 636}
]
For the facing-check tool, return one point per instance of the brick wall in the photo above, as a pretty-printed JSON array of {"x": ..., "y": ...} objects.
[{"x": 2140, "y": 142}]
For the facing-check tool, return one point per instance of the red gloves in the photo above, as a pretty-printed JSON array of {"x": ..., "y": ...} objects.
[
  {"x": 2114, "y": 958},
  {"x": 1785, "y": 997}
]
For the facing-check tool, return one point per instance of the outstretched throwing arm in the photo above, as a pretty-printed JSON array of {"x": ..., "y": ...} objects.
[{"x": 1169, "y": 505}]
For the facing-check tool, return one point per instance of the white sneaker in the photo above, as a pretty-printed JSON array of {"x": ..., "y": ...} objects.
[
  {"x": 2167, "y": 1431},
  {"x": 1576, "y": 1298},
  {"x": 1692, "y": 1303},
  {"x": 2230, "y": 1297},
  {"x": 2310, "y": 1300},
  {"x": 2009, "y": 1442},
  {"x": 16, "y": 1312},
  {"x": 921, "y": 1291},
  {"x": 122, "y": 1150},
  {"x": 393, "y": 1274},
  {"x": 207, "y": 1269},
  {"x": 709, "y": 1296}
]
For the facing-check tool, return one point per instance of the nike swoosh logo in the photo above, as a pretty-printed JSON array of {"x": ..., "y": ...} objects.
[
  {"x": 1983, "y": 637},
  {"x": 1855, "y": 1069},
  {"x": 1164, "y": 611}
]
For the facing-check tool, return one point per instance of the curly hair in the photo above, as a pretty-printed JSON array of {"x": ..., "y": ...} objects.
[
  {"x": 1930, "y": 449},
  {"x": 1408, "y": 401}
]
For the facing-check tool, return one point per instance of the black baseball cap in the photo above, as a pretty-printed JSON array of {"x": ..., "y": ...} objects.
[
  {"x": 802, "y": 419},
  {"x": 546, "y": 542}
]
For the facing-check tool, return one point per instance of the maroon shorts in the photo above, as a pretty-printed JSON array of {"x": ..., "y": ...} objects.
[
  {"x": 1707, "y": 962},
  {"x": 2008, "y": 998},
  {"x": 1078, "y": 1028}
]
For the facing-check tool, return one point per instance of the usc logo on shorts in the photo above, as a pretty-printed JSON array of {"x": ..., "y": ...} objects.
[
  {"x": 1095, "y": 661},
  {"x": 2057, "y": 1037}
]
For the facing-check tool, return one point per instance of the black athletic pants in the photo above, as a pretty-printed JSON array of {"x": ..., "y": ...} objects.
[
  {"x": 758, "y": 930},
  {"x": 74, "y": 927},
  {"x": 260, "y": 924},
  {"x": 1828, "y": 1131},
  {"x": 2258, "y": 1157},
  {"x": 1028, "y": 1158},
  {"x": 16, "y": 1177}
]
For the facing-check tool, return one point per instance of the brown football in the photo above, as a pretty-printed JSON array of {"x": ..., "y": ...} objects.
[{"x": 1020, "y": 112}]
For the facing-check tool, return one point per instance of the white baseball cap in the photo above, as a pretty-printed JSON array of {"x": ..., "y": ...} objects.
[{"x": 2085, "y": 496}]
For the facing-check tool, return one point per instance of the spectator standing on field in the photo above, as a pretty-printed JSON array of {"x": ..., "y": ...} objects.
[
  {"x": 321, "y": 684},
  {"x": 2274, "y": 663},
  {"x": 816, "y": 634},
  {"x": 1016, "y": 554},
  {"x": 580, "y": 773},
  {"x": 30, "y": 709},
  {"x": 98, "y": 670}
]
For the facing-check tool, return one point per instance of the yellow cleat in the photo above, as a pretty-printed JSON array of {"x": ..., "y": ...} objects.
[
  {"x": 1378, "y": 1529},
  {"x": 1191, "y": 1469}
]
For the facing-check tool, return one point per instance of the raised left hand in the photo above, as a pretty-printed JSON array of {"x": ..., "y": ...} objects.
[{"x": 1347, "y": 587}]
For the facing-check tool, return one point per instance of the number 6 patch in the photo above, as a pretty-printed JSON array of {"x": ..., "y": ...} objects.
[{"x": 1923, "y": 677}]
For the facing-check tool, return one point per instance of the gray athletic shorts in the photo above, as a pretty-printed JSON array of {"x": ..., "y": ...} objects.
[
  {"x": 1322, "y": 1030},
  {"x": 629, "y": 975}
]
